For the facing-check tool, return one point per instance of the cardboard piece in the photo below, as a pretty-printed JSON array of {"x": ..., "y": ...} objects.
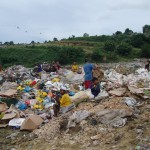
[
  {"x": 11, "y": 113},
  {"x": 118, "y": 91},
  {"x": 135, "y": 90},
  {"x": 9, "y": 116},
  {"x": 3, "y": 125},
  {"x": 31, "y": 123},
  {"x": 8, "y": 93},
  {"x": 3, "y": 107}
]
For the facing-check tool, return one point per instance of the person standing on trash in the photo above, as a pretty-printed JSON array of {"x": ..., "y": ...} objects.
[
  {"x": 147, "y": 66},
  {"x": 95, "y": 87},
  {"x": 75, "y": 67},
  {"x": 88, "y": 68},
  {"x": 63, "y": 102}
]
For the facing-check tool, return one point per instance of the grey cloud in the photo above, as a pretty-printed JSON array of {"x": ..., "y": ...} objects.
[
  {"x": 63, "y": 18},
  {"x": 131, "y": 5}
]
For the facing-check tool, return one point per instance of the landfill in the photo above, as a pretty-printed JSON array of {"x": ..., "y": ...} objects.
[{"x": 118, "y": 118}]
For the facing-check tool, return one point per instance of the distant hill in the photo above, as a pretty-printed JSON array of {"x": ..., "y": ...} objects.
[{"x": 104, "y": 48}]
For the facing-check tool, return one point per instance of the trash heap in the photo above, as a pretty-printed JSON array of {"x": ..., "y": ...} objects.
[
  {"x": 26, "y": 95},
  {"x": 27, "y": 104}
]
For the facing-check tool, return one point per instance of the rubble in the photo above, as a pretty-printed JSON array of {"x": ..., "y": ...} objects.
[
  {"x": 49, "y": 131},
  {"x": 112, "y": 117},
  {"x": 130, "y": 101},
  {"x": 118, "y": 92},
  {"x": 77, "y": 117},
  {"x": 107, "y": 119}
]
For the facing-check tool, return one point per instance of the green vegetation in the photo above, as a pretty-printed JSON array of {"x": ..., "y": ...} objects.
[
  {"x": 145, "y": 51},
  {"x": 124, "y": 49},
  {"x": 117, "y": 47},
  {"x": 30, "y": 55}
]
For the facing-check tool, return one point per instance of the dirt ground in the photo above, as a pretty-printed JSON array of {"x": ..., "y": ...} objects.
[{"x": 134, "y": 135}]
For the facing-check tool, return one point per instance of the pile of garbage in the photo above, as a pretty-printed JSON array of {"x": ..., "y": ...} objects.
[
  {"x": 15, "y": 73},
  {"x": 26, "y": 103},
  {"x": 27, "y": 95}
]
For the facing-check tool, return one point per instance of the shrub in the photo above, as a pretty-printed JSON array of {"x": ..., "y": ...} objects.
[
  {"x": 137, "y": 40},
  {"x": 145, "y": 52},
  {"x": 123, "y": 49},
  {"x": 109, "y": 46},
  {"x": 97, "y": 55},
  {"x": 68, "y": 55}
]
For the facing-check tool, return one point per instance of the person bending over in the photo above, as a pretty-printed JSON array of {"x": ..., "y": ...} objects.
[{"x": 95, "y": 88}]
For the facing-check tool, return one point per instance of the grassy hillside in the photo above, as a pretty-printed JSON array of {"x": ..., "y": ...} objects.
[
  {"x": 30, "y": 55},
  {"x": 103, "y": 48}
]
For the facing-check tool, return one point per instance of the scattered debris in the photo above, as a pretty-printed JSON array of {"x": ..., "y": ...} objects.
[
  {"x": 77, "y": 117},
  {"x": 31, "y": 123},
  {"x": 120, "y": 110}
]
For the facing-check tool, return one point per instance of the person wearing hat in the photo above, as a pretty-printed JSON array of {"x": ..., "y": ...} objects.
[{"x": 63, "y": 103}]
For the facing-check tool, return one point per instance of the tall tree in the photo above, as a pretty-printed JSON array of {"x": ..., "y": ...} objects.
[
  {"x": 118, "y": 33},
  {"x": 128, "y": 31},
  {"x": 11, "y": 43},
  {"x": 55, "y": 39},
  {"x": 146, "y": 30},
  {"x": 32, "y": 42},
  {"x": 85, "y": 35}
]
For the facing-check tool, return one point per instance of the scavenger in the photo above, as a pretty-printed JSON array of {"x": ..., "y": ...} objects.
[
  {"x": 63, "y": 102},
  {"x": 95, "y": 88},
  {"x": 88, "y": 68},
  {"x": 75, "y": 67}
]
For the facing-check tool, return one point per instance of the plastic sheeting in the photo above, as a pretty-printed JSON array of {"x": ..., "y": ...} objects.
[
  {"x": 112, "y": 117},
  {"x": 77, "y": 117},
  {"x": 71, "y": 77},
  {"x": 140, "y": 78}
]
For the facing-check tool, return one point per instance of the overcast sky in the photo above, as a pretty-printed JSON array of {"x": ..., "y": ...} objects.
[{"x": 22, "y": 21}]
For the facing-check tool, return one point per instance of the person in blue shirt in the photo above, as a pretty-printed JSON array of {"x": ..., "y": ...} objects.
[{"x": 88, "y": 74}]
